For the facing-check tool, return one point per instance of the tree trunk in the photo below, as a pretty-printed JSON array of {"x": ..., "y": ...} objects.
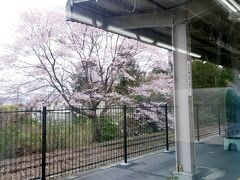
[
  {"x": 99, "y": 126},
  {"x": 96, "y": 121},
  {"x": 97, "y": 133}
]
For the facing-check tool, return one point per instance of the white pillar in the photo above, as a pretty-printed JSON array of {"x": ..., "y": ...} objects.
[{"x": 183, "y": 101}]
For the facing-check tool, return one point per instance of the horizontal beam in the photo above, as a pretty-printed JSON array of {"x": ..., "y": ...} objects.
[
  {"x": 77, "y": 13},
  {"x": 135, "y": 21},
  {"x": 148, "y": 20}
]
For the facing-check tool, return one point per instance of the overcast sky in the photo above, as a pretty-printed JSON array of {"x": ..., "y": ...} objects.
[
  {"x": 10, "y": 9},
  {"x": 9, "y": 17}
]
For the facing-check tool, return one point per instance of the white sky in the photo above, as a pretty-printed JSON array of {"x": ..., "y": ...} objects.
[
  {"x": 9, "y": 16},
  {"x": 10, "y": 9}
]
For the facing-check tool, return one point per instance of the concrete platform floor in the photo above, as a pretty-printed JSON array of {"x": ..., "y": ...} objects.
[{"x": 211, "y": 160}]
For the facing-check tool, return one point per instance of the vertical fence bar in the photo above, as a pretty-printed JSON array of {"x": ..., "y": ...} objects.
[
  {"x": 125, "y": 132},
  {"x": 44, "y": 142},
  {"x": 197, "y": 120},
  {"x": 234, "y": 108},
  {"x": 166, "y": 127},
  {"x": 219, "y": 120}
]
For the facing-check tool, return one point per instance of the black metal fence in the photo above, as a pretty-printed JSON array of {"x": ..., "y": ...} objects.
[
  {"x": 20, "y": 144},
  {"x": 50, "y": 143},
  {"x": 210, "y": 120}
]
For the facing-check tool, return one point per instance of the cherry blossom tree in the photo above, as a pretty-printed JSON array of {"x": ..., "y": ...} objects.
[{"x": 81, "y": 66}]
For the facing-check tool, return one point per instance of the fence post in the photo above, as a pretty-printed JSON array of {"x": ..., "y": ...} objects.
[
  {"x": 125, "y": 132},
  {"x": 197, "y": 120},
  {"x": 166, "y": 127},
  {"x": 219, "y": 120},
  {"x": 234, "y": 108},
  {"x": 44, "y": 142}
]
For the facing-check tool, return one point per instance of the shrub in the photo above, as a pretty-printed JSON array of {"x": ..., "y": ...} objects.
[
  {"x": 69, "y": 134},
  {"x": 109, "y": 130},
  {"x": 19, "y": 138},
  {"x": 24, "y": 136}
]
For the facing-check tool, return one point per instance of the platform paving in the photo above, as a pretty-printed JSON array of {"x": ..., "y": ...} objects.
[{"x": 212, "y": 162}]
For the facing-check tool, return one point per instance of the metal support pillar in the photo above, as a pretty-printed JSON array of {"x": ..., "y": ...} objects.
[{"x": 183, "y": 103}]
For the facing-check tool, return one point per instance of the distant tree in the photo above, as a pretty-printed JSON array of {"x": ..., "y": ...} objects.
[{"x": 207, "y": 75}]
